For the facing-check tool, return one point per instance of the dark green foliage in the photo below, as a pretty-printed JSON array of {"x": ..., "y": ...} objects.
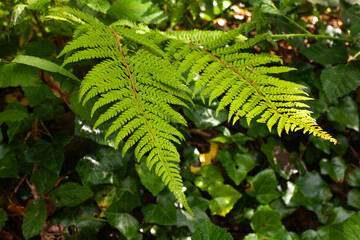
[{"x": 92, "y": 141}]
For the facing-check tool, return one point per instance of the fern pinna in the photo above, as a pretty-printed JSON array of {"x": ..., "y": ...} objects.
[
  {"x": 139, "y": 78},
  {"x": 242, "y": 81},
  {"x": 137, "y": 88}
]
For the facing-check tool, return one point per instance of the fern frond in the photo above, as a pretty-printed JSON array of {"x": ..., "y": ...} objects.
[
  {"x": 137, "y": 86},
  {"x": 242, "y": 82}
]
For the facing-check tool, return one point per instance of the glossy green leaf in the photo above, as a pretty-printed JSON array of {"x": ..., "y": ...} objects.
[
  {"x": 49, "y": 155},
  {"x": 331, "y": 232},
  {"x": 346, "y": 77},
  {"x": 163, "y": 213},
  {"x": 209, "y": 231},
  {"x": 310, "y": 235},
  {"x": 98, "y": 5},
  {"x": 84, "y": 128},
  {"x": 266, "y": 221},
  {"x": 184, "y": 218},
  {"x": 354, "y": 178},
  {"x": 3, "y": 218},
  {"x": 104, "y": 165},
  {"x": 44, "y": 180},
  {"x": 34, "y": 218},
  {"x": 48, "y": 110},
  {"x": 335, "y": 168},
  {"x": 263, "y": 186},
  {"x": 224, "y": 197},
  {"x": 41, "y": 48},
  {"x": 136, "y": 10},
  {"x": 256, "y": 236},
  {"x": 204, "y": 116},
  {"x": 124, "y": 222},
  {"x": 210, "y": 174},
  {"x": 321, "y": 144},
  {"x": 353, "y": 198},
  {"x": 346, "y": 113},
  {"x": 149, "y": 179},
  {"x": 44, "y": 65},
  {"x": 70, "y": 194},
  {"x": 338, "y": 215},
  {"x": 323, "y": 54},
  {"x": 8, "y": 163},
  {"x": 125, "y": 195},
  {"x": 12, "y": 115},
  {"x": 85, "y": 218},
  {"x": 308, "y": 190},
  {"x": 38, "y": 94},
  {"x": 237, "y": 167}
]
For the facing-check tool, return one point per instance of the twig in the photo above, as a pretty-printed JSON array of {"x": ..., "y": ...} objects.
[
  {"x": 21, "y": 182},
  {"x": 292, "y": 35}
]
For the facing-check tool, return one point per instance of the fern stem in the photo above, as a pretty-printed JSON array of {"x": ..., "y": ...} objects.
[
  {"x": 293, "y": 35},
  {"x": 296, "y": 24}
]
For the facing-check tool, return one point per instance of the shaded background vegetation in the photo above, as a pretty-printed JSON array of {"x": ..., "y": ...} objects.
[{"x": 60, "y": 179}]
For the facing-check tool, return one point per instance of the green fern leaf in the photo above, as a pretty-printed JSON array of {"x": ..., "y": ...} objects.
[
  {"x": 241, "y": 80},
  {"x": 136, "y": 85}
]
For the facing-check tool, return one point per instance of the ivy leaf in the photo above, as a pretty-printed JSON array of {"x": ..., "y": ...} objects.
[
  {"x": 346, "y": 77},
  {"x": 204, "y": 116},
  {"x": 49, "y": 155},
  {"x": 13, "y": 75},
  {"x": 81, "y": 217},
  {"x": 13, "y": 115},
  {"x": 149, "y": 179},
  {"x": 192, "y": 222},
  {"x": 310, "y": 235},
  {"x": 37, "y": 94},
  {"x": 9, "y": 163},
  {"x": 263, "y": 186},
  {"x": 238, "y": 167},
  {"x": 3, "y": 218},
  {"x": 335, "y": 168},
  {"x": 267, "y": 222},
  {"x": 103, "y": 166},
  {"x": 308, "y": 191},
  {"x": 338, "y": 215},
  {"x": 136, "y": 10},
  {"x": 210, "y": 174},
  {"x": 125, "y": 194},
  {"x": 84, "y": 128},
  {"x": 70, "y": 194},
  {"x": 98, "y": 5},
  {"x": 34, "y": 218},
  {"x": 224, "y": 197},
  {"x": 163, "y": 213},
  {"x": 209, "y": 231},
  {"x": 346, "y": 113},
  {"x": 321, "y": 53},
  {"x": 353, "y": 198},
  {"x": 124, "y": 222},
  {"x": 354, "y": 178},
  {"x": 44, "y": 180},
  {"x": 321, "y": 144}
]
